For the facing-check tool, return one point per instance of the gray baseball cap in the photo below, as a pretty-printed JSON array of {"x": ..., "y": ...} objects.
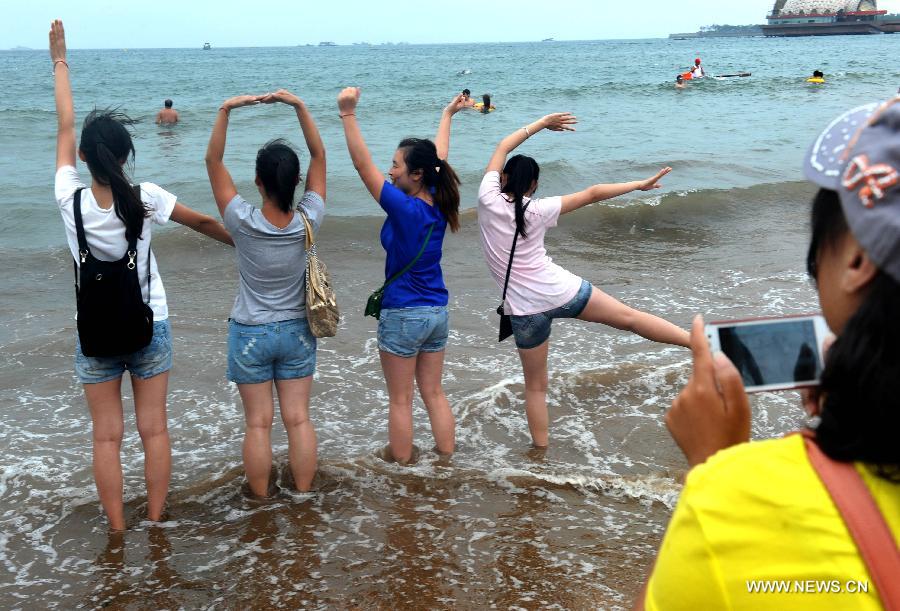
[{"x": 858, "y": 155}]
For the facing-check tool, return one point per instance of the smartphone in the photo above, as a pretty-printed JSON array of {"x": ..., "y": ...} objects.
[{"x": 773, "y": 353}]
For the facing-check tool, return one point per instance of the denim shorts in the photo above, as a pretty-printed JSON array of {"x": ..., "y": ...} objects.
[
  {"x": 408, "y": 331},
  {"x": 152, "y": 360},
  {"x": 283, "y": 350},
  {"x": 532, "y": 330}
]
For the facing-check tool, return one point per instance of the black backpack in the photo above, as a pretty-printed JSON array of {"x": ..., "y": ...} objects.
[{"x": 113, "y": 319}]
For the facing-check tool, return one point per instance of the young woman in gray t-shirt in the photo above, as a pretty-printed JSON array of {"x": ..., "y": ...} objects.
[{"x": 269, "y": 339}]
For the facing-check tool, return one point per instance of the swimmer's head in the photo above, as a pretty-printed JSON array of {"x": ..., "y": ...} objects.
[
  {"x": 679, "y": 79},
  {"x": 486, "y": 99},
  {"x": 466, "y": 93},
  {"x": 697, "y": 62},
  {"x": 168, "y": 103},
  {"x": 278, "y": 173},
  {"x": 818, "y": 74}
]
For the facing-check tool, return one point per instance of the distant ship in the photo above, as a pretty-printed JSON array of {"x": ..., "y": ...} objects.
[
  {"x": 327, "y": 44},
  {"x": 207, "y": 46},
  {"x": 549, "y": 40},
  {"x": 829, "y": 18}
]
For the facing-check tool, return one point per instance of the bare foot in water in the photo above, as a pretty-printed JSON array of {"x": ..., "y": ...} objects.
[
  {"x": 386, "y": 455},
  {"x": 271, "y": 492}
]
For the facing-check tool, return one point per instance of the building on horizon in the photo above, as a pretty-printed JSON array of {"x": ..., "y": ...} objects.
[{"x": 828, "y": 18}]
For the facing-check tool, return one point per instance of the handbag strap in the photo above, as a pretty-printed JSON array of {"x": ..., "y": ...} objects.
[
  {"x": 864, "y": 520},
  {"x": 413, "y": 262},
  {"x": 512, "y": 253},
  {"x": 310, "y": 239}
]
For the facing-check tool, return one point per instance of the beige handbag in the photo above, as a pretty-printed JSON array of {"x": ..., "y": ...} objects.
[{"x": 321, "y": 306}]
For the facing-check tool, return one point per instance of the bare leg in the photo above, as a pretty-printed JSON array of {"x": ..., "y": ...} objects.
[
  {"x": 105, "y": 403},
  {"x": 399, "y": 373},
  {"x": 259, "y": 410},
  {"x": 150, "y": 413},
  {"x": 429, "y": 368},
  {"x": 534, "y": 366},
  {"x": 605, "y": 309},
  {"x": 293, "y": 398}
]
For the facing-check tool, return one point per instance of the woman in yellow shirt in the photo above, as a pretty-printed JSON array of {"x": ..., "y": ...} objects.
[{"x": 755, "y": 528}]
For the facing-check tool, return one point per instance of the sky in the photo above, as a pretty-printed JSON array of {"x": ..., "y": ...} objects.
[{"x": 228, "y": 23}]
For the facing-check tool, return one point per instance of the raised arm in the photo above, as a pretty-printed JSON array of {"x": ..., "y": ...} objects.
[
  {"x": 442, "y": 140},
  {"x": 557, "y": 122},
  {"x": 315, "y": 174},
  {"x": 65, "y": 111},
  {"x": 598, "y": 193},
  {"x": 219, "y": 179},
  {"x": 359, "y": 152}
]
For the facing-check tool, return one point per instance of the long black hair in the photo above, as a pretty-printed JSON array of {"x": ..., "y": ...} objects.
[
  {"x": 521, "y": 174},
  {"x": 107, "y": 145},
  {"x": 486, "y": 100},
  {"x": 278, "y": 168},
  {"x": 437, "y": 174},
  {"x": 860, "y": 416}
]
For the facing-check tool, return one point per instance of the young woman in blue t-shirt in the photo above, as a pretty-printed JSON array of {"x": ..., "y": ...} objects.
[{"x": 421, "y": 200}]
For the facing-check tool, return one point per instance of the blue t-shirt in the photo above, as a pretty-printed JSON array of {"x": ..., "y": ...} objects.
[{"x": 402, "y": 236}]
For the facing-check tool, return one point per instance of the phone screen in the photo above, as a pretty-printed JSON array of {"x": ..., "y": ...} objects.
[{"x": 784, "y": 352}]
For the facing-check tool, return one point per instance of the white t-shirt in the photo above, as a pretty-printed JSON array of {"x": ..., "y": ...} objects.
[
  {"x": 105, "y": 232},
  {"x": 536, "y": 284}
]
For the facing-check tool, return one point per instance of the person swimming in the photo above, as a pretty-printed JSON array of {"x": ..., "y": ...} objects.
[
  {"x": 467, "y": 101},
  {"x": 485, "y": 105},
  {"x": 679, "y": 82},
  {"x": 817, "y": 78},
  {"x": 168, "y": 115}
]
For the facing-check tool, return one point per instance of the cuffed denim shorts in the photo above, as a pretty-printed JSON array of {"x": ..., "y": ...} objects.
[
  {"x": 155, "y": 358},
  {"x": 408, "y": 331},
  {"x": 533, "y": 330},
  {"x": 283, "y": 350}
]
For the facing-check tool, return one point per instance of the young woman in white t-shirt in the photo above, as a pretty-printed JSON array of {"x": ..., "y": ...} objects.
[
  {"x": 539, "y": 290},
  {"x": 110, "y": 211}
]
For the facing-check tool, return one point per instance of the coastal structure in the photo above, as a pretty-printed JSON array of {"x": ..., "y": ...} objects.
[{"x": 829, "y": 18}]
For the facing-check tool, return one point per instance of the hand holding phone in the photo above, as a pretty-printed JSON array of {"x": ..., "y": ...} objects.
[{"x": 712, "y": 412}]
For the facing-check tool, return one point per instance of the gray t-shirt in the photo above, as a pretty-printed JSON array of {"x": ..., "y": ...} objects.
[{"x": 271, "y": 261}]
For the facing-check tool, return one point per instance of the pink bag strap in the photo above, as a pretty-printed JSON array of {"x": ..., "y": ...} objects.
[{"x": 864, "y": 520}]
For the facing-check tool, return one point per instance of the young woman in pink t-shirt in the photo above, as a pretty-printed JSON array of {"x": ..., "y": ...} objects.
[{"x": 540, "y": 290}]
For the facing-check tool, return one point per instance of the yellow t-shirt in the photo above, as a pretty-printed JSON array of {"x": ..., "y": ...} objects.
[{"x": 758, "y": 516}]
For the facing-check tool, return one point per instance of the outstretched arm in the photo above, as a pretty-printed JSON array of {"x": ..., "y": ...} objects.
[
  {"x": 598, "y": 193},
  {"x": 219, "y": 179},
  {"x": 557, "y": 122},
  {"x": 201, "y": 223},
  {"x": 65, "y": 112},
  {"x": 359, "y": 152},
  {"x": 442, "y": 140},
  {"x": 315, "y": 174}
]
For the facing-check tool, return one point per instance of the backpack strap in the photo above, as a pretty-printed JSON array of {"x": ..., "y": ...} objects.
[
  {"x": 132, "y": 244},
  {"x": 864, "y": 520},
  {"x": 83, "y": 248}
]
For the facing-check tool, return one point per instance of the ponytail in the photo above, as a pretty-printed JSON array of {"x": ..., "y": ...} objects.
[
  {"x": 278, "y": 168},
  {"x": 107, "y": 145},
  {"x": 521, "y": 173},
  {"x": 437, "y": 175}
]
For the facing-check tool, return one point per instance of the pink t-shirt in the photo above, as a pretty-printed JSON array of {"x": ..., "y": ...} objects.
[{"x": 536, "y": 284}]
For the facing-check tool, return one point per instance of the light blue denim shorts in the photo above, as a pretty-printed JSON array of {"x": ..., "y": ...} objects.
[
  {"x": 155, "y": 358},
  {"x": 408, "y": 331},
  {"x": 533, "y": 330},
  {"x": 283, "y": 350}
]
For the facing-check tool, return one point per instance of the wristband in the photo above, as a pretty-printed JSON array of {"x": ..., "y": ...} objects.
[
  {"x": 527, "y": 133},
  {"x": 59, "y": 61},
  {"x": 349, "y": 114}
]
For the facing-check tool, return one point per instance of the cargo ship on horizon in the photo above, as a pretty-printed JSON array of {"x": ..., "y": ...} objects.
[{"x": 829, "y": 18}]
